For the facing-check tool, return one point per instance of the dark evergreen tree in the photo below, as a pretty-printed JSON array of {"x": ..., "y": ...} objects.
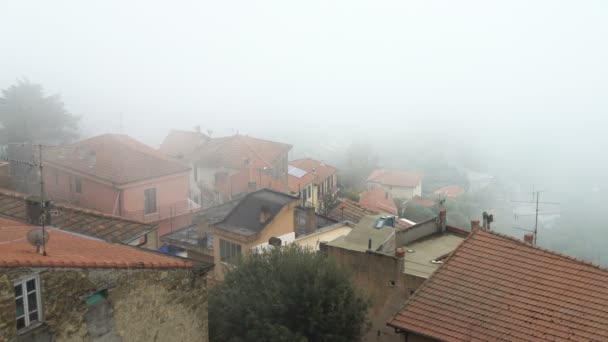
[{"x": 287, "y": 294}]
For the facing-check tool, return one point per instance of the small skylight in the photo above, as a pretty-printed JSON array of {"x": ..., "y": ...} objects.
[{"x": 296, "y": 172}]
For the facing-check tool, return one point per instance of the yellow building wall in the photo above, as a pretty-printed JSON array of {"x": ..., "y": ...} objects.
[{"x": 283, "y": 223}]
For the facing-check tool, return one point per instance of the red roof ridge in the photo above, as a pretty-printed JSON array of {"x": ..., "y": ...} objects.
[
  {"x": 566, "y": 256},
  {"x": 242, "y": 139},
  {"x": 63, "y": 251}
]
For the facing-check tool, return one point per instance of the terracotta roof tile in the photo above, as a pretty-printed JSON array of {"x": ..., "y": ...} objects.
[
  {"x": 115, "y": 158},
  {"x": 378, "y": 200},
  {"x": 84, "y": 221},
  {"x": 183, "y": 143},
  {"x": 296, "y": 184},
  {"x": 494, "y": 287},
  {"x": 451, "y": 191},
  {"x": 395, "y": 178},
  {"x": 350, "y": 211},
  {"x": 239, "y": 151},
  {"x": 65, "y": 249},
  {"x": 320, "y": 169}
]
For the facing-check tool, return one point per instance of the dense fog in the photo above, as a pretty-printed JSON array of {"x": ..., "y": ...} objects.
[{"x": 511, "y": 91}]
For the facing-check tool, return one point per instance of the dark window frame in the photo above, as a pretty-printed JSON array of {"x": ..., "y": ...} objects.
[
  {"x": 26, "y": 305},
  {"x": 229, "y": 250},
  {"x": 149, "y": 207}
]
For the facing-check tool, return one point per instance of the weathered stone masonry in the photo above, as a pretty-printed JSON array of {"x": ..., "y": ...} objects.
[{"x": 139, "y": 305}]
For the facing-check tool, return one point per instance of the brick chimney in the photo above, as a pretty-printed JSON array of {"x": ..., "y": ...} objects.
[
  {"x": 443, "y": 220},
  {"x": 475, "y": 225},
  {"x": 529, "y": 238},
  {"x": 400, "y": 253}
]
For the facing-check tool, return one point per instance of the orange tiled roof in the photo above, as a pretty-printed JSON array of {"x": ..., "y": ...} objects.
[
  {"x": 421, "y": 201},
  {"x": 79, "y": 220},
  {"x": 321, "y": 169},
  {"x": 296, "y": 184},
  {"x": 350, "y": 211},
  {"x": 118, "y": 158},
  {"x": 451, "y": 191},
  {"x": 395, "y": 178},
  {"x": 239, "y": 151},
  {"x": 69, "y": 250},
  {"x": 182, "y": 143},
  {"x": 497, "y": 288},
  {"x": 377, "y": 199}
]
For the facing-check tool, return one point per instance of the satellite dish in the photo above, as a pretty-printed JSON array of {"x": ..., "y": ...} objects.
[{"x": 37, "y": 238}]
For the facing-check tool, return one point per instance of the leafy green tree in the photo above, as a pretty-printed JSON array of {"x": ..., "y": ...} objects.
[
  {"x": 287, "y": 294},
  {"x": 27, "y": 115},
  {"x": 329, "y": 202}
]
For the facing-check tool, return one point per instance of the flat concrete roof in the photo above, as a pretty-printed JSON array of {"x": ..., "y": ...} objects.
[
  {"x": 420, "y": 254},
  {"x": 358, "y": 238}
]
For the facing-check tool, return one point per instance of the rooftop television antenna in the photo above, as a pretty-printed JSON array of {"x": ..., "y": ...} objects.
[{"x": 38, "y": 237}]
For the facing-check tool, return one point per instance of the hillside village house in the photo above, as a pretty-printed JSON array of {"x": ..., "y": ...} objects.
[
  {"x": 197, "y": 241},
  {"x": 390, "y": 258},
  {"x": 20, "y": 207},
  {"x": 324, "y": 181},
  {"x": 379, "y": 200},
  {"x": 118, "y": 175},
  {"x": 450, "y": 191},
  {"x": 400, "y": 184},
  {"x": 256, "y": 220},
  {"x": 497, "y": 288},
  {"x": 228, "y": 167},
  {"x": 180, "y": 145},
  {"x": 85, "y": 289},
  {"x": 301, "y": 184}
]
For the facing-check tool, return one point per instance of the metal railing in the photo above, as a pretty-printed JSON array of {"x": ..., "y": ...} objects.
[{"x": 162, "y": 212}]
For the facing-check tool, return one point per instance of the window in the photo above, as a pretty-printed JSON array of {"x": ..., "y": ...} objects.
[
  {"x": 75, "y": 184},
  {"x": 309, "y": 191},
  {"x": 27, "y": 300},
  {"x": 149, "y": 201},
  {"x": 229, "y": 250},
  {"x": 78, "y": 184},
  {"x": 195, "y": 170}
]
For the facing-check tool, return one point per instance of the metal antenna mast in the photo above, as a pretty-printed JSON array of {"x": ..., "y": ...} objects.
[
  {"x": 42, "y": 204},
  {"x": 537, "y": 212}
]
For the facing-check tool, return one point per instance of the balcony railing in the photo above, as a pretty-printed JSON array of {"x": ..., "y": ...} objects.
[{"x": 162, "y": 211}]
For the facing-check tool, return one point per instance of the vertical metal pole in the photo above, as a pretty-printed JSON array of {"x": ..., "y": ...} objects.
[
  {"x": 536, "y": 221},
  {"x": 42, "y": 206}
]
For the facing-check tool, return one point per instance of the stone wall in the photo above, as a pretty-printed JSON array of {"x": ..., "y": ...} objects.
[
  {"x": 381, "y": 277},
  {"x": 139, "y": 305}
]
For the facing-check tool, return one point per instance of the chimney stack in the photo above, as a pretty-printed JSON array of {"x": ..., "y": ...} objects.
[
  {"x": 475, "y": 226},
  {"x": 443, "y": 220},
  {"x": 34, "y": 211},
  {"x": 400, "y": 253},
  {"x": 529, "y": 238}
]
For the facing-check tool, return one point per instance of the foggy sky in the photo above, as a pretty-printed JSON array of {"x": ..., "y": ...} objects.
[{"x": 519, "y": 81}]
